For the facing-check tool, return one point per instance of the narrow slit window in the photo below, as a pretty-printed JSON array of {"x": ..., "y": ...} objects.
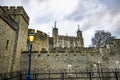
[{"x": 7, "y": 44}]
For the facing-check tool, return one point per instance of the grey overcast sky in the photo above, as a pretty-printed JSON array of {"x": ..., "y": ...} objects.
[{"x": 91, "y": 15}]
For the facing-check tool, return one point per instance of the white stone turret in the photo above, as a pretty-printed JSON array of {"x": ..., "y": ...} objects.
[{"x": 55, "y": 36}]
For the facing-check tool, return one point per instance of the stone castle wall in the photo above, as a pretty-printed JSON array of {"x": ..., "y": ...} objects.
[
  {"x": 7, "y": 42},
  {"x": 41, "y": 40},
  {"x": 23, "y": 21},
  {"x": 69, "y": 41},
  {"x": 59, "y": 60},
  {"x": 8, "y": 28},
  {"x": 78, "y": 57},
  {"x": 87, "y": 58},
  {"x": 22, "y": 41},
  {"x": 15, "y": 24}
]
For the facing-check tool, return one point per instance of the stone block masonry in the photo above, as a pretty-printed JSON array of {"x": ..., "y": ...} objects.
[
  {"x": 60, "y": 61},
  {"x": 14, "y": 30}
]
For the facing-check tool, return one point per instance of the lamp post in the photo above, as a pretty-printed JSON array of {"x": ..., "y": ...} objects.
[{"x": 31, "y": 39}]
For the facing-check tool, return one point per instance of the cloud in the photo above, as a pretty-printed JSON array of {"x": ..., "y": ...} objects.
[
  {"x": 56, "y": 9},
  {"x": 11, "y": 2},
  {"x": 96, "y": 15},
  {"x": 113, "y": 5}
]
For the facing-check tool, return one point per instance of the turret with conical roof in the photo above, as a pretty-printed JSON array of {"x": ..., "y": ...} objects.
[
  {"x": 55, "y": 28},
  {"x": 79, "y": 35},
  {"x": 55, "y": 36}
]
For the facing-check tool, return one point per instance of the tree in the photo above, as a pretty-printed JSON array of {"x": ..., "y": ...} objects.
[{"x": 101, "y": 38}]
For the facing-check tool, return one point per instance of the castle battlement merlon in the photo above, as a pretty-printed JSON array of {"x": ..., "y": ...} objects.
[
  {"x": 37, "y": 33},
  {"x": 90, "y": 49},
  {"x": 8, "y": 19},
  {"x": 67, "y": 36},
  {"x": 19, "y": 10}
]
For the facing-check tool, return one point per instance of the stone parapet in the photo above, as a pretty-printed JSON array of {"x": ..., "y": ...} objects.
[
  {"x": 57, "y": 61},
  {"x": 74, "y": 49},
  {"x": 39, "y": 35},
  {"x": 65, "y": 36},
  {"x": 4, "y": 15},
  {"x": 19, "y": 10}
]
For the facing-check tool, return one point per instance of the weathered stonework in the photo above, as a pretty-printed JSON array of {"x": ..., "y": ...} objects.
[
  {"x": 7, "y": 39},
  {"x": 14, "y": 11},
  {"x": 41, "y": 41},
  {"x": 14, "y": 30},
  {"x": 83, "y": 60},
  {"x": 65, "y": 40}
]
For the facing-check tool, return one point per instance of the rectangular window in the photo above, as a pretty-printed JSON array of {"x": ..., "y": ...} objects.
[{"x": 7, "y": 44}]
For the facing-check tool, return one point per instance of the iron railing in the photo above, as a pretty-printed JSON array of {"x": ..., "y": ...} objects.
[{"x": 88, "y": 74}]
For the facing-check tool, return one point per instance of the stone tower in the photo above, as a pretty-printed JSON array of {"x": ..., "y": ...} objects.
[
  {"x": 19, "y": 15},
  {"x": 55, "y": 36},
  {"x": 80, "y": 38}
]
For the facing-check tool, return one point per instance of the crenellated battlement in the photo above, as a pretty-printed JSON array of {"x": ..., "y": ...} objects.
[
  {"x": 38, "y": 34},
  {"x": 29, "y": 30},
  {"x": 64, "y": 36},
  {"x": 90, "y": 49},
  {"x": 4, "y": 15},
  {"x": 74, "y": 50},
  {"x": 19, "y": 10}
]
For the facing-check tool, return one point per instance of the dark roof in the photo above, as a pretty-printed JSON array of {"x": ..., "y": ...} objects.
[
  {"x": 55, "y": 28},
  {"x": 78, "y": 30}
]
